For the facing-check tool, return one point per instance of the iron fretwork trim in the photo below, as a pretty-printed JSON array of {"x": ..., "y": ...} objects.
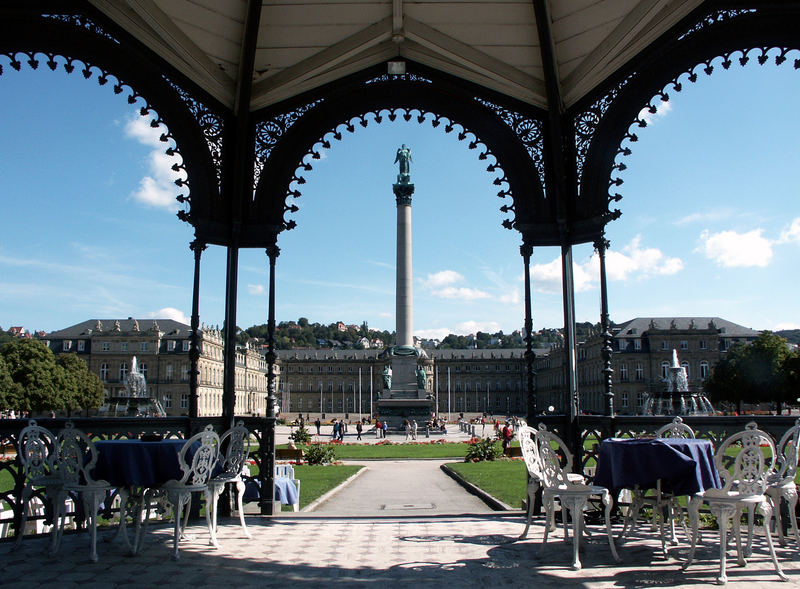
[
  {"x": 606, "y": 125},
  {"x": 88, "y": 43},
  {"x": 293, "y": 135}
]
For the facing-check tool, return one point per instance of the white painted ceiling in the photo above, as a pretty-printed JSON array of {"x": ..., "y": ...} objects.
[{"x": 306, "y": 43}]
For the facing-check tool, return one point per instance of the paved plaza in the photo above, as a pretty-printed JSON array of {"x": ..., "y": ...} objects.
[{"x": 398, "y": 524}]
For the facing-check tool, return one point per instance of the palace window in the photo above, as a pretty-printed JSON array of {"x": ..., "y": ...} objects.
[
  {"x": 104, "y": 372},
  {"x": 684, "y": 344},
  {"x": 167, "y": 401},
  {"x": 639, "y": 372},
  {"x": 703, "y": 344},
  {"x": 123, "y": 371},
  {"x": 184, "y": 400},
  {"x": 106, "y": 346},
  {"x": 637, "y": 344},
  {"x": 123, "y": 347},
  {"x": 168, "y": 377},
  {"x": 66, "y": 345},
  {"x": 185, "y": 346},
  {"x": 703, "y": 370},
  {"x": 623, "y": 372},
  {"x": 143, "y": 346},
  {"x": 664, "y": 345},
  {"x": 81, "y": 345},
  {"x": 624, "y": 399},
  {"x": 143, "y": 369},
  {"x": 171, "y": 345},
  {"x": 664, "y": 369},
  {"x": 685, "y": 366}
]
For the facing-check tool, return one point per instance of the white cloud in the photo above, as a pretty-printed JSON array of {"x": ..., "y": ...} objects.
[
  {"x": 170, "y": 313},
  {"x": 664, "y": 108},
  {"x": 436, "y": 333},
  {"x": 158, "y": 188},
  {"x": 546, "y": 278},
  {"x": 632, "y": 261},
  {"x": 791, "y": 234},
  {"x": 461, "y": 292},
  {"x": 732, "y": 249},
  {"x": 718, "y": 214},
  {"x": 256, "y": 289},
  {"x": 642, "y": 262},
  {"x": 513, "y": 297},
  {"x": 467, "y": 327},
  {"x": 443, "y": 278}
]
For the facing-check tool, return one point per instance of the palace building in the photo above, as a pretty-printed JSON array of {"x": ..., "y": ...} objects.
[
  {"x": 641, "y": 357},
  {"x": 161, "y": 347}
]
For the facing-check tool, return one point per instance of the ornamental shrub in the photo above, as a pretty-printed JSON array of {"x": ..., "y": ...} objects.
[
  {"x": 482, "y": 449},
  {"x": 300, "y": 436},
  {"x": 319, "y": 454}
]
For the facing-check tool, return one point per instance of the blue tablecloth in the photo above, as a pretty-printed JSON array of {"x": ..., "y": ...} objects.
[
  {"x": 134, "y": 463},
  {"x": 285, "y": 491},
  {"x": 684, "y": 466}
]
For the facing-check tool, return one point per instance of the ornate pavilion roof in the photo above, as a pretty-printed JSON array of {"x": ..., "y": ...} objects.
[{"x": 303, "y": 44}]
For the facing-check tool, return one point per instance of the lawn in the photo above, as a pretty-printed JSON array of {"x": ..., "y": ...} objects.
[
  {"x": 397, "y": 450},
  {"x": 315, "y": 481},
  {"x": 502, "y": 479}
]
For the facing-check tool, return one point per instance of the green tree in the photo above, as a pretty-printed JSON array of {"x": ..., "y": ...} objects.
[
  {"x": 762, "y": 368},
  {"x": 753, "y": 373},
  {"x": 32, "y": 367},
  {"x": 725, "y": 382},
  {"x": 7, "y": 390},
  {"x": 87, "y": 391}
]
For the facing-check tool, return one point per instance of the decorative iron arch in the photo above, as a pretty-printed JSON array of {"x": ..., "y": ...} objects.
[
  {"x": 86, "y": 44},
  {"x": 509, "y": 137},
  {"x": 606, "y": 127}
]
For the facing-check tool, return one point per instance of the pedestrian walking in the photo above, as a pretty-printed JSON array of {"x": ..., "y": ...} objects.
[
  {"x": 335, "y": 429},
  {"x": 359, "y": 429},
  {"x": 385, "y": 428},
  {"x": 414, "y": 427},
  {"x": 342, "y": 430},
  {"x": 317, "y": 423}
]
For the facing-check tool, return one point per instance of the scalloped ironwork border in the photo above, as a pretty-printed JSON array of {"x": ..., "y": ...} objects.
[
  {"x": 588, "y": 120},
  {"x": 363, "y": 120}
]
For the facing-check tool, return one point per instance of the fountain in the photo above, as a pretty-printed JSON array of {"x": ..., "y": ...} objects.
[
  {"x": 677, "y": 399},
  {"x": 138, "y": 401}
]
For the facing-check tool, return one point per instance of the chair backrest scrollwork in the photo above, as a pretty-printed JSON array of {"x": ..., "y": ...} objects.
[
  {"x": 237, "y": 449},
  {"x": 753, "y": 454},
  {"x": 76, "y": 455},
  {"x": 36, "y": 451},
  {"x": 787, "y": 453},
  {"x": 675, "y": 429},
  {"x": 530, "y": 451},
  {"x": 555, "y": 458},
  {"x": 204, "y": 459}
]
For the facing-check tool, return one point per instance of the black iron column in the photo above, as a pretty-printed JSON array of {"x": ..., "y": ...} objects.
[
  {"x": 526, "y": 251},
  {"x": 601, "y": 245},
  {"x": 229, "y": 360},
  {"x": 194, "y": 352},
  {"x": 268, "y": 440}
]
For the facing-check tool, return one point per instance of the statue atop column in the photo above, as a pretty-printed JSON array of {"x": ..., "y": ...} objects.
[{"x": 404, "y": 158}]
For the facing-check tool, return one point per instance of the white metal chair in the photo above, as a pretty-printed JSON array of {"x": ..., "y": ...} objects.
[
  {"x": 526, "y": 436},
  {"x": 781, "y": 485},
  {"x": 76, "y": 456},
  {"x": 36, "y": 455},
  {"x": 287, "y": 471},
  {"x": 178, "y": 492},
  {"x": 573, "y": 496},
  {"x": 743, "y": 488},
  {"x": 234, "y": 464}
]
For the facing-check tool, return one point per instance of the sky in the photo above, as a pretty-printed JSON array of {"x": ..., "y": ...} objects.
[{"x": 710, "y": 223}]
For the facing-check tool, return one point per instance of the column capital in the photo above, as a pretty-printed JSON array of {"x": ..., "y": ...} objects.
[
  {"x": 273, "y": 251},
  {"x": 403, "y": 193}
]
